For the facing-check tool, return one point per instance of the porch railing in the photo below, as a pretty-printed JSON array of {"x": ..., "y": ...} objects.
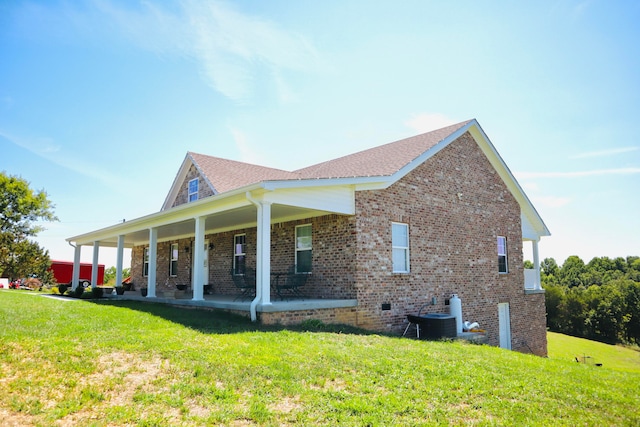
[{"x": 531, "y": 280}]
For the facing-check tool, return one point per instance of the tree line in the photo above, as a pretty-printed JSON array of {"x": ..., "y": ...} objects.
[{"x": 599, "y": 300}]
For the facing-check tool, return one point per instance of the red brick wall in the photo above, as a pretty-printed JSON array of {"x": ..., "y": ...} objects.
[
  {"x": 162, "y": 268},
  {"x": 456, "y": 205},
  {"x": 334, "y": 250},
  {"x": 344, "y": 316}
]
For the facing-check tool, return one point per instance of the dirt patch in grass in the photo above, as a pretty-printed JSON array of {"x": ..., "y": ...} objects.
[
  {"x": 120, "y": 375},
  {"x": 12, "y": 419}
]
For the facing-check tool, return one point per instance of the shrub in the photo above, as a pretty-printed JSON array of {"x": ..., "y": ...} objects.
[
  {"x": 77, "y": 293},
  {"x": 62, "y": 289},
  {"x": 97, "y": 292},
  {"x": 313, "y": 325}
]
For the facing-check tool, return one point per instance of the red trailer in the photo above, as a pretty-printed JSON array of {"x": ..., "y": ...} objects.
[{"x": 63, "y": 272}]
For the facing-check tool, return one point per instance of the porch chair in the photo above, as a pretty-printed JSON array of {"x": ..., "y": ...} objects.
[
  {"x": 292, "y": 283},
  {"x": 245, "y": 283}
]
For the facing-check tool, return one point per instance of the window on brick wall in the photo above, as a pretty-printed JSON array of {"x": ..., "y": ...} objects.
[
  {"x": 400, "y": 247},
  {"x": 502, "y": 255},
  {"x": 239, "y": 253},
  {"x": 193, "y": 190},
  {"x": 173, "y": 265},
  {"x": 145, "y": 262},
  {"x": 303, "y": 248}
]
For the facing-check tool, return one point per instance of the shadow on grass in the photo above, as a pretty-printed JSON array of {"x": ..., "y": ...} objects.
[{"x": 212, "y": 321}]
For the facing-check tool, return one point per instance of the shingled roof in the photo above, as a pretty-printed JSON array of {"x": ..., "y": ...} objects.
[
  {"x": 226, "y": 175},
  {"x": 385, "y": 160}
]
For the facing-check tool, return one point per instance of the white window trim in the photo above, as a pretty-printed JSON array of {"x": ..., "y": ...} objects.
[
  {"x": 190, "y": 193},
  {"x": 297, "y": 249},
  {"x": 505, "y": 254},
  {"x": 405, "y": 248}
]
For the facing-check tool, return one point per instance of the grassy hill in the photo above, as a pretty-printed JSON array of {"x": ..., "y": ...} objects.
[
  {"x": 564, "y": 347},
  {"x": 72, "y": 362}
]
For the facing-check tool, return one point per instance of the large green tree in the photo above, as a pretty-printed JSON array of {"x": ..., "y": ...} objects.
[
  {"x": 598, "y": 300},
  {"x": 20, "y": 208}
]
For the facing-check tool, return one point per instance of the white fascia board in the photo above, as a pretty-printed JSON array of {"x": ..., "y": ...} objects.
[
  {"x": 185, "y": 212},
  {"x": 335, "y": 199},
  {"x": 321, "y": 182},
  {"x": 179, "y": 178},
  {"x": 428, "y": 154}
]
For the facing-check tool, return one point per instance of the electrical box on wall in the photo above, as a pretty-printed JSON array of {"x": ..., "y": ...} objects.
[
  {"x": 386, "y": 306},
  {"x": 446, "y": 301}
]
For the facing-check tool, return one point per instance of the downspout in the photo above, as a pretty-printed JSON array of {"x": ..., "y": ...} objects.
[{"x": 254, "y": 303}]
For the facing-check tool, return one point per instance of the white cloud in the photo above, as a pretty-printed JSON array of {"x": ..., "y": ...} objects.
[
  {"x": 46, "y": 148},
  {"x": 578, "y": 174},
  {"x": 425, "y": 122},
  {"x": 604, "y": 153},
  {"x": 530, "y": 186},
  {"x": 248, "y": 153},
  {"x": 40, "y": 146},
  {"x": 229, "y": 47}
]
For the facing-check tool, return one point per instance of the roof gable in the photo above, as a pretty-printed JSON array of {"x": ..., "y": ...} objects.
[
  {"x": 226, "y": 175},
  {"x": 223, "y": 175}
]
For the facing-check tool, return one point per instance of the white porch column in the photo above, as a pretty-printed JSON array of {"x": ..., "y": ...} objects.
[
  {"x": 536, "y": 265},
  {"x": 94, "y": 266},
  {"x": 198, "y": 261},
  {"x": 75, "y": 275},
  {"x": 263, "y": 258},
  {"x": 153, "y": 262},
  {"x": 119, "y": 259}
]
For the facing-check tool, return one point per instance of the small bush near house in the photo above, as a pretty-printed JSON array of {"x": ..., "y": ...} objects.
[{"x": 97, "y": 292}]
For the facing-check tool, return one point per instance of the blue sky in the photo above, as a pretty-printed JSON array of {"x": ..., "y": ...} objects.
[{"x": 101, "y": 99}]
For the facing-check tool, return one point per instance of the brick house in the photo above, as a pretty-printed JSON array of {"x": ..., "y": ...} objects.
[{"x": 377, "y": 235}]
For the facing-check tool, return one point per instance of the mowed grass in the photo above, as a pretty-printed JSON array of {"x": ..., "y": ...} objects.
[
  {"x": 73, "y": 362},
  {"x": 564, "y": 347}
]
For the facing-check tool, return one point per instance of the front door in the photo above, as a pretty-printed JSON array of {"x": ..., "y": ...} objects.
[
  {"x": 504, "y": 325},
  {"x": 205, "y": 264}
]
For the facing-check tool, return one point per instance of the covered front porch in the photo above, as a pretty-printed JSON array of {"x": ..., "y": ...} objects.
[{"x": 203, "y": 233}]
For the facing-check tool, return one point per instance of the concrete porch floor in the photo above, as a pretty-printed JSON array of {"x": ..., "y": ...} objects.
[{"x": 230, "y": 302}]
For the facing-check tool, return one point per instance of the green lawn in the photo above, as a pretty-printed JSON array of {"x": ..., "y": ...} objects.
[
  {"x": 564, "y": 347},
  {"x": 77, "y": 362}
]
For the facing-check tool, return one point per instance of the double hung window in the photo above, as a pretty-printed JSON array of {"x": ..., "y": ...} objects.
[
  {"x": 502, "y": 255},
  {"x": 400, "y": 247},
  {"x": 304, "y": 248},
  {"x": 193, "y": 190},
  {"x": 239, "y": 253},
  {"x": 173, "y": 265},
  {"x": 145, "y": 262}
]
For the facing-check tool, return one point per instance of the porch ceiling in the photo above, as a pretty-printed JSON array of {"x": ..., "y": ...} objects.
[{"x": 233, "y": 219}]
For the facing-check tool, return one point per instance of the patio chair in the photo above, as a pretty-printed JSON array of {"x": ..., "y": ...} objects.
[
  {"x": 292, "y": 284},
  {"x": 245, "y": 283}
]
